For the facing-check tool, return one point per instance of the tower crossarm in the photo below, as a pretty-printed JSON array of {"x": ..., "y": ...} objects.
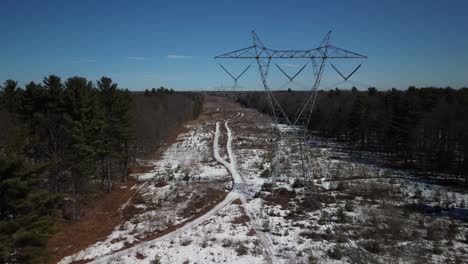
[{"x": 325, "y": 52}]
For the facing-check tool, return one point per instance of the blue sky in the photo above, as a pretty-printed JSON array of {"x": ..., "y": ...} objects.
[{"x": 144, "y": 44}]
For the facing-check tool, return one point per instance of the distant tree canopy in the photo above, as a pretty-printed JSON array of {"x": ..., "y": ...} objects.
[
  {"x": 421, "y": 128},
  {"x": 158, "y": 116},
  {"x": 160, "y": 90}
]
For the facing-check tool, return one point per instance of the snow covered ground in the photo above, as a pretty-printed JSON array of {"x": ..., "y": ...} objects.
[{"x": 359, "y": 213}]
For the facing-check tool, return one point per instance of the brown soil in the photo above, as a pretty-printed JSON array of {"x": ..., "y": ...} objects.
[
  {"x": 237, "y": 201},
  {"x": 97, "y": 223}
]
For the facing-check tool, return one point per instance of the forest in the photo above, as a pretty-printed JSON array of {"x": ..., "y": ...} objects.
[
  {"x": 422, "y": 129},
  {"x": 63, "y": 143}
]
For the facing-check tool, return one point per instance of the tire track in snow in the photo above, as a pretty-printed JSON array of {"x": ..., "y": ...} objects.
[
  {"x": 238, "y": 180},
  {"x": 232, "y": 166},
  {"x": 216, "y": 148}
]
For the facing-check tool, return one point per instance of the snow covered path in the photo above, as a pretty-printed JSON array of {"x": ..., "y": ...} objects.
[
  {"x": 216, "y": 149},
  {"x": 238, "y": 180},
  {"x": 232, "y": 158}
]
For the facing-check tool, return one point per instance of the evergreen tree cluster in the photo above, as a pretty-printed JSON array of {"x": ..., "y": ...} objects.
[
  {"x": 424, "y": 129},
  {"x": 74, "y": 127},
  {"x": 68, "y": 135},
  {"x": 62, "y": 142},
  {"x": 27, "y": 213}
]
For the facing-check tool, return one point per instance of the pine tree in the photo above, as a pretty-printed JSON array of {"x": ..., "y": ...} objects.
[
  {"x": 84, "y": 126},
  {"x": 27, "y": 213},
  {"x": 371, "y": 91},
  {"x": 128, "y": 133},
  {"x": 54, "y": 134},
  {"x": 9, "y": 96},
  {"x": 116, "y": 134}
]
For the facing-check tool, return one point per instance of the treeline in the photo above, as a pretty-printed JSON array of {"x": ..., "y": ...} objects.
[
  {"x": 424, "y": 129},
  {"x": 62, "y": 143},
  {"x": 159, "y": 115},
  {"x": 161, "y": 89}
]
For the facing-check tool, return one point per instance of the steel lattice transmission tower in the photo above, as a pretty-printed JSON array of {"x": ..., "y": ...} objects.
[{"x": 318, "y": 58}]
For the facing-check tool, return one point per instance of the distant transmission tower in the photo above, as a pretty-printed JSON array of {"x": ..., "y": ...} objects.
[{"x": 317, "y": 57}]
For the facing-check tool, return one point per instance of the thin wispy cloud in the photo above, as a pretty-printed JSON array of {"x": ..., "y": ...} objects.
[
  {"x": 137, "y": 58},
  {"x": 175, "y": 56}
]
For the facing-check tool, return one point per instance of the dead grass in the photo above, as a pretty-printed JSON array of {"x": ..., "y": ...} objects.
[
  {"x": 242, "y": 219},
  {"x": 202, "y": 201},
  {"x": 281, "y": 196},
  {"x": 372, "y": 191},
  {"x": 251, "y": 232},
  {"x": 140, "y": 256},
  {"x": 129, "y": 211},
  {"x": 160, "y": 183}
]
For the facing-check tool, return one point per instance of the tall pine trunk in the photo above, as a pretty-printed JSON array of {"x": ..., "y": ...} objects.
[
  {"x": 75, "y": 196},
  {"x": 125, "y": 170},
  {"x": 126, "y": 161},
  {"x": 109, "y": 182}
]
